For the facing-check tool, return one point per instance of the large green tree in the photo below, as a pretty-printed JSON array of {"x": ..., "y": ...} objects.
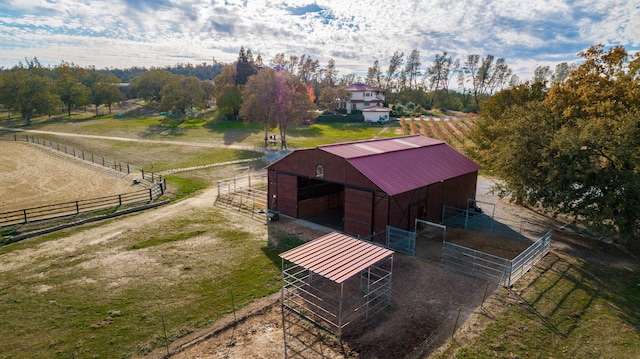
[
  {"x": 228, "y": 95},
  {"x": 72, "y": 93},
  {"x": 183, "y": 93},
  {"x": 148, "y": 85},
  {"x": 27, "y": 93},
  {"x": 574, "y": 148}
]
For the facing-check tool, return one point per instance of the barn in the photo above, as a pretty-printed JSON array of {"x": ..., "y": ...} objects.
[{"x": 361, "y": 187}]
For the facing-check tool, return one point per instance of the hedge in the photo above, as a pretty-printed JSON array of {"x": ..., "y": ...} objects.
[{"x": 339, "y": 118}]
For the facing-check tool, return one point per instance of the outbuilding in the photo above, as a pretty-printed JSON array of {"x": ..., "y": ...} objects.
[
  {"x": 361, "y": 187},
  {"x": 376, "y": 114}
]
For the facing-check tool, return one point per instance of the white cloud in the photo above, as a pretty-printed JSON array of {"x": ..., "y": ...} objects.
[{"x": 123, "y": 33}]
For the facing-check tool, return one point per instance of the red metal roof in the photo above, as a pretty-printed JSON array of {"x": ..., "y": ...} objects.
[
  {"x": 336, "y": 256},
  {"x": 400, "y": 164}
]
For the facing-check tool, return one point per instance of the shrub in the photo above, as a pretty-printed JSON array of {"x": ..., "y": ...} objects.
[{"x": 339, "y": 118}]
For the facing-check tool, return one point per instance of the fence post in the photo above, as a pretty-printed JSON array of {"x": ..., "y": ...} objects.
[
  {"x": 143, "y": 173},
  {"x": 65, "y": 149},
  {"x": 150, "y": 195},
  {"x": 83, "y": 155},
  {"x": 128, "y": 169},
  {"x": 119, "y": 200},
  {"x": 24, "y": 211},
  {"x": 74, "y": 152},
  {"x": 102, "y": 161},
  {"x": 15, "y": 137},
  {"x": 58, "y": 146},
  {"x": 92, "y": 158},
  {"x": 77, "y": 208}
]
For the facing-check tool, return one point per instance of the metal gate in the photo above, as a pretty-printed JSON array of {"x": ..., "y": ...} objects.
[{"x": 401, "y": 240}]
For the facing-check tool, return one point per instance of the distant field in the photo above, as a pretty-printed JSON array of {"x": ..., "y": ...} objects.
[{"x": 31, "y": 177}]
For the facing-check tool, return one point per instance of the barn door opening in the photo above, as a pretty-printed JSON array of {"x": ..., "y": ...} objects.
[{"x": 321, "y": 202}]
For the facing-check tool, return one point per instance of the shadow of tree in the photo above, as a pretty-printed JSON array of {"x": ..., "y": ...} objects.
[
  {"x": 168, "y": 127},
  {"x": 232, "y": 131},
  {"x": 570, "y": 290}
]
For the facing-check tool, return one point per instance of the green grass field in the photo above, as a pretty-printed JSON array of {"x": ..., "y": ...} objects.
[{"x": 565, "y": 308}]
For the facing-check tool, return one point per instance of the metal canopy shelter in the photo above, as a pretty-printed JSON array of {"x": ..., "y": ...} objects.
[{"x": 334, "y": 280}]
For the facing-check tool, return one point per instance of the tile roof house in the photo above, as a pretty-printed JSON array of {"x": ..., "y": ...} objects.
[{"x": 363, "y": 96}]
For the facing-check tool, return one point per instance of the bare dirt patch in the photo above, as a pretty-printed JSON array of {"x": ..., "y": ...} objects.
[{"x": 33, "y": 177}]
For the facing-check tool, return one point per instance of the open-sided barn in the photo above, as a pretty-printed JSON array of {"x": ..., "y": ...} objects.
[{"x": 361, "y": 187}]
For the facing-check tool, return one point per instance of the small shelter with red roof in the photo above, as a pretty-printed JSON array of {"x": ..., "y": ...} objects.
[{"x": 362, "y": 187}]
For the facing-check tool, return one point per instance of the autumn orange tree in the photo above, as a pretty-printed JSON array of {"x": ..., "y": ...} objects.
[
  {"x": 573, "y": 148},
  {"x": 275, "y": 98}
]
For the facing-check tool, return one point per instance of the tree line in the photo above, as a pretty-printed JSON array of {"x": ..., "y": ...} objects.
[{"x": 569, "y": 141}]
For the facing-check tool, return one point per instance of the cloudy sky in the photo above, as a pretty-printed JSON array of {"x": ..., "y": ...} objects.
[{"x": 126, "y": 33}]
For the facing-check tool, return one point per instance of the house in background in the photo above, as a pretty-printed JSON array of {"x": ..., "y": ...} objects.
[{"x": 363, "y": 96}]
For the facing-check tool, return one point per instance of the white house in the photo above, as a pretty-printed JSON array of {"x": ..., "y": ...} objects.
[
  {"x": 376, "y": 114},
  {"x": 363, "y": 96}
]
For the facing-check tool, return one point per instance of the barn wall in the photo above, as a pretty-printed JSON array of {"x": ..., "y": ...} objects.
[
  {"x": 380, "y": 211},
  {"x": 458, "y": 190},
  {"x": 336, "y": 169},
  {"x": 358, "y": 207},
  {"x": 285, "y": 190}
]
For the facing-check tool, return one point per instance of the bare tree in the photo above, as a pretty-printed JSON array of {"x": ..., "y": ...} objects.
[
  {"x": 412, "y": 68},
  {"x": 392, "y": 71},
  {"x": 374, "y": 75}
]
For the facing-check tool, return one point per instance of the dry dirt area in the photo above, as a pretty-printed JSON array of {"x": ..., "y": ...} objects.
[{"x": 32, "y": 177}]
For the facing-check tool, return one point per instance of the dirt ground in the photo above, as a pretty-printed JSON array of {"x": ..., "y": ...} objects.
[{"x": 33, "y": 177}]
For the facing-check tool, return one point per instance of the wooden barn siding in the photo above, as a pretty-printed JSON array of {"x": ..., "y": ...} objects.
[
  {"x": 459, "y": 189},
  {"x": 358, "y": 207},
  {"x": 336, "y": 169},
  {"x": 380, "y": 212},
  {"x": 287, "y": 194},
  {"x": 453, "y": 192},
  {"x": 434, "y": 202}
]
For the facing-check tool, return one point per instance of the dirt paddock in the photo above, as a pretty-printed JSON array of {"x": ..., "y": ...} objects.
[{"x": 32, "y": 177}]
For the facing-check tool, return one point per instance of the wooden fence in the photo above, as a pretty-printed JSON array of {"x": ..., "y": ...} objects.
[
  {"x": 59, "y": 210},
  {"x": 79, "y": 154}
]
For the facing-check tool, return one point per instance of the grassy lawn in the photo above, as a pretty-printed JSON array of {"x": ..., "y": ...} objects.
[
  {"x": 115, "y": 298},
  {"x": 565, "y": 308},
  {"x": 202, "y": 129}
]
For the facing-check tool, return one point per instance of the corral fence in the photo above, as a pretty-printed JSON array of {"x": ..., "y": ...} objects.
[
  {"x": 79, "y": 154},
  {"x": 153, "y": 185},
  {"x": 245, "y": 194},
  {"x": 502, "y": 271},
  {"x": 74, "y": 208}
]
